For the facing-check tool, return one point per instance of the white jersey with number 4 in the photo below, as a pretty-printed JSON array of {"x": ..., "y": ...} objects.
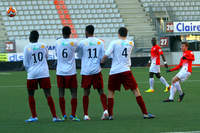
[
  {"x": 91, "y": 51},
  {"x": 35, "y": 60},
  {"x": 65, "y": 51},
  {"x": 121, "y": 53}
]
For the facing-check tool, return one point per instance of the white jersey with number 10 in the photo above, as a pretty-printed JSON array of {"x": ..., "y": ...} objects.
[
  {"x": 121, "y": 53},
  {"x": 35, "y": 60},
  {"x": 65, "y": 51}
]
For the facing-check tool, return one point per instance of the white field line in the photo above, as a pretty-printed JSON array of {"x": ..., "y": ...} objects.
[
  {"x": 4, "y": 73},
  {"x": 183, "y": 132},
  {"x": 55, "y": 85}
]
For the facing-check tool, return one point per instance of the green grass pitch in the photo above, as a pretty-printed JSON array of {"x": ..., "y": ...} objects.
[{"x": 171, "y": 117}]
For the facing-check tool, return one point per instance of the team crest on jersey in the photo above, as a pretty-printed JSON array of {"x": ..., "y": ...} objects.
[
  {"x": 36, "y": 47},
  {"x": 131, "y": 43},
  {"x": 98, "y": 42},
  {"x": 124, "y": 43},
  {"x": 92, "y": 44},
  {"x": 42, "y": 46},
  {"x": 72, "y": 43}
]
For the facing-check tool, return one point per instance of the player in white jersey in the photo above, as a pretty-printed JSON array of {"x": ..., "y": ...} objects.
[
  {"x": 35, "y": 63},
  {"x": 66, "y": 71},
  {"x": 120, "y": 72},
  {"x": 91, "y": 51}
]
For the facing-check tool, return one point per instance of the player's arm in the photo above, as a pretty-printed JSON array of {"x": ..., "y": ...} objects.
[
  {"x": 149, "y": 62},
  {"x": 108, "y": 52},
  {"x": 26, "y": 60},
  {"x": 164, "y": 60},
  {"x": 177, "y": 67},
  {"x": 79, "y": 51},
  {"x": 163, "y": 57}
]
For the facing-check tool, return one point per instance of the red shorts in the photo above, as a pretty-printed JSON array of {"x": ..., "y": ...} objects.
[
  {"x": 96, "y": 80},
  {"x": 67, "y": 81},
  {"x": 125, "y": 78},
  {"x": 44, "y": 83}
]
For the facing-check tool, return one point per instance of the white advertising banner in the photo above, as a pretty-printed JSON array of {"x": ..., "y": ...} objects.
[{"x": 190, "y": 26}]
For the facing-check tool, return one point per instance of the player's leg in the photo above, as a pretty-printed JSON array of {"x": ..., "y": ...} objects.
[
  {"x": 151, "y": 82},
  {"x": 50, "y": 101},
  {"x": 61, "y": 86},
  {"x": 172, "y": 90},
  {"x": 103, "y": 99},
  {"x": 62, "y": 102},
  {"x": 181, "y": 93},
  {"x": 141, "y": 104},
  {"x": 162, "y": 79},
  {"x": 32, "y": 85},
  {"x": 73, "y": 104},
  {"x": 32, "y": 106},
  {"x": 110, "y": 103},
  {"x": 86, "y": 103}
]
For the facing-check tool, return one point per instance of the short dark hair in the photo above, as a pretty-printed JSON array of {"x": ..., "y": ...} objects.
[
  {"x": 123, "y": 32},
  {"x": 153, "y": 41},
  {"x": 66, "y": 31},
  {"x": 34, "y": 36},
  {"x": 89, "y": 29},
  {"x": 185, "y": 43}
]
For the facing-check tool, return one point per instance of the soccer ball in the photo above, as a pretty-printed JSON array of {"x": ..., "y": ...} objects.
[{"x": 11, "y": 11}]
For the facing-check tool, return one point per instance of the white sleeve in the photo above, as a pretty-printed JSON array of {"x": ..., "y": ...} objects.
[
  {"x": 102, "y": 51},
  {"x": 79, "y": 50},
  {"x": 109, "y": 51},
  {"x": 26, "y": 60}
]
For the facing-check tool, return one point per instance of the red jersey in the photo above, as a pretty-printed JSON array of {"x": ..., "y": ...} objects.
[
  {"x": 156, "y": 51},
  {"x": 185, "y": 63}
]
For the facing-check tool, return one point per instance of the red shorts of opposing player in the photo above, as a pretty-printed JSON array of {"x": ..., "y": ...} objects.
[
  {"x": 44, "y": 83},
  {"x": 67, "y": 81},
  {"x": 125, "y": 78},
  {"x": 96, "y": 80}
]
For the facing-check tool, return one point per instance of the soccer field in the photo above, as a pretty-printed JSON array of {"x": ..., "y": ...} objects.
[{"x": 171, "y": 117}]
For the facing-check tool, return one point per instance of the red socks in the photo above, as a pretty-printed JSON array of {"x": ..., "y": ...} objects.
[
  {"x": 85, "y": 104},
  {"x": 51, "y": 106},
  {"x": 104, "y": 101},
  {"x": 62, "y": 105},
  {"x": 32, "y": 106},
  {"x": 110, "y": 106},
  {"x": 141, "y": 104},
  {"x": 73, "y": 106}
]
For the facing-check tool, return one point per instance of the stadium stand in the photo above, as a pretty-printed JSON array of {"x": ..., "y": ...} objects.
[
  {"x": 138, "y": 23},
  {"x": 48, "y": 18},
  {"x": 181, "y": 10}
]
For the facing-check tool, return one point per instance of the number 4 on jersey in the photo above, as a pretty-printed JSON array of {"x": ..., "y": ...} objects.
[{"x": 124, "y": 52}]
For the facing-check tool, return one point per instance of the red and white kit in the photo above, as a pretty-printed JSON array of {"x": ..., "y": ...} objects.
[
  {"x": 156, "y": 51},
  {"x": 185, "y": 65}
]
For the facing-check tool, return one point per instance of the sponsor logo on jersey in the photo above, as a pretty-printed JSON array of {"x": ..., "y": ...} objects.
[
  {"x": 98, "y": 42},
  {"x": 72, "y": 43},
  {"x": 42, "y": 46}
]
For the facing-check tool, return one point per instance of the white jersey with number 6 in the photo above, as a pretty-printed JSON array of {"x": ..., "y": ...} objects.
[
  {"x": 91, "y": 51},
  {"x": 65, "y": 51},
  {"x": 35, "y": 60},
  {"x": 121, "y": 53}
]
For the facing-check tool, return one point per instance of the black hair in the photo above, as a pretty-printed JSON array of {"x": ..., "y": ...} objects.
[
  {"x": 185, "y": 43},
  {"x": 153, "y": 41},
  {"x": 34, "y": 36},
  {"x": 89, "y": 29},
  {"x": 66, "y": 31},
  {"x": 123, "y": 32}
]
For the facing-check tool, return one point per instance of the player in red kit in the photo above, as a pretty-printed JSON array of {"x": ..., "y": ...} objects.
[
  {"x": 156, "y": 52},
  {"x": 186, "y": 70}
]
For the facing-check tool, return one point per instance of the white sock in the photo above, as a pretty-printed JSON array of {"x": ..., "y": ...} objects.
[
  {"x": 162, "y": 79},
  {"x": 172, "y": 92},
  {"x": 178, "y": 87},
  {"x": 151, "y": 82}
]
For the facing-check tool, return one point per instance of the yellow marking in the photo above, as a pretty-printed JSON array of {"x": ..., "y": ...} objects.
[
  {"x": 99, "y": 43},
  {"x": 72, "y": 43},
  {"x": 131, "y": 43},
  {"x": 42, "y": 46}
]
